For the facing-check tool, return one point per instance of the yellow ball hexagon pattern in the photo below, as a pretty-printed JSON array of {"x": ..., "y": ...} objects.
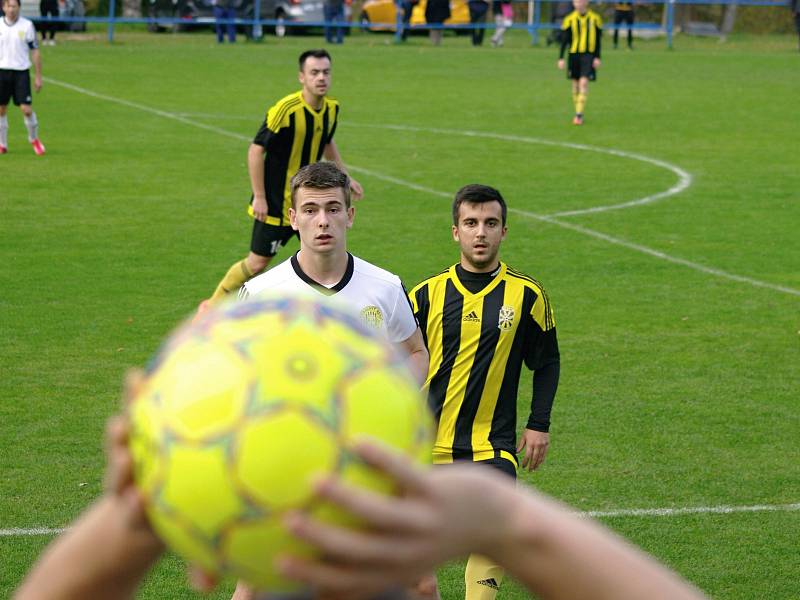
[
  {"x": 280, "y": 454},
  {"x": 243, "y": 409}
]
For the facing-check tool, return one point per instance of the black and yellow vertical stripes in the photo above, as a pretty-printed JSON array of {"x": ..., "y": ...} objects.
[
  {"x": 477, "y": 344},
  {"x": 294, "y": 135},
  {"x": 584, "y": 31}
]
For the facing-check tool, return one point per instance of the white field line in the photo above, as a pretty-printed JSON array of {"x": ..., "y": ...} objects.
[
  {"x": 684, "y": 180},
  {"x": 20, "y": 532},
  {"x": 594, "y": 514},
  {"x": 689, "y": 510}
]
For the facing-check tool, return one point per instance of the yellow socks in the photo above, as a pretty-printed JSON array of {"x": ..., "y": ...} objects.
[
  {"x": 483, "y": 578},
  {"x": 236, "y": 276},
  {"x": 575, "y": 100},
  {"x": 580, "y": 104}
]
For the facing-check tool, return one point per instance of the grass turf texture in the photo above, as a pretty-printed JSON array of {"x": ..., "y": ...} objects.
[{"x": 679, "y": 387}]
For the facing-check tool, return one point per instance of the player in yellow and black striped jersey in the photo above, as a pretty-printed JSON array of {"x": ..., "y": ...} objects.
[
  {"x": 623, "y": 13},
  {"x": 298, "y": 130},
  {"x": 582, "y": 33},
  {"x": 481, "y": 321}
]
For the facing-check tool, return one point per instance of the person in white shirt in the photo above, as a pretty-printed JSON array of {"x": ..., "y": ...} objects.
[
  {"x": 321, "y": 213},
  {"x": 18, "y": 50}
]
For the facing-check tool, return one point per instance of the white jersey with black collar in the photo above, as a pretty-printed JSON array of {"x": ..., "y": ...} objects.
[
  {"x": 376, "y": 294},
  {"x": 16, "y": 42}
]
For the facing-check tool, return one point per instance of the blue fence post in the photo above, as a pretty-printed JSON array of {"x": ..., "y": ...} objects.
[
  {"x": 670, "y": 21},
  {"x": 112, "y": 13},
  {"x": 257, "y": 29},
  {"x": 537, "y": 20},
  {"x": 398, "y": 34}
]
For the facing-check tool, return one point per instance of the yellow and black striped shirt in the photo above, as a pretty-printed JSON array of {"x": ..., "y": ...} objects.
[
  {"x": 294, "y": 135},
  {"x": 477, "y": 344},
  {"x": 582, "y": 32}
]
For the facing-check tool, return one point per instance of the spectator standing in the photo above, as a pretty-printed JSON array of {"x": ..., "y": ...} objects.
[
  {"x": 436, "y": 13},
  {"x": 18, "y": 50},
  {"x": 623, "y": 13},
  {"x": 404, "y": 10},
  {"x": 49, "y": 8},
  {"x": 477, "y": 18},
  {"x": 224, "y": 16},
  {"x": 333, "y": 11},
  {"x": 503, "y": 19}
]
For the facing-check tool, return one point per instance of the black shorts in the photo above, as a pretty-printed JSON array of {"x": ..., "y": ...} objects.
[
  {"x": 623, "y": 16},
  {"x": 505, "y": 466},
  {"x": 580, "y": 65},
  {"x": 268, "y": 239},
  {"x": 15, "y": 84}
]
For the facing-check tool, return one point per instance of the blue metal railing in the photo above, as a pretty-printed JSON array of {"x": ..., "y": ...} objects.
[{"x": 533, "y": 26}]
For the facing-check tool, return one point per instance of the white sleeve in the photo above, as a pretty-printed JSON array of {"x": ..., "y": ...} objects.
[
  {"x": 402, "y": 322},
  {"x": 30, "y": 36},
  {"x": 244, "y": 293}
]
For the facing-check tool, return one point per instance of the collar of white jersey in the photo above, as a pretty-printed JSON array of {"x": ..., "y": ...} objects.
[{"x": 328, "y": 291}]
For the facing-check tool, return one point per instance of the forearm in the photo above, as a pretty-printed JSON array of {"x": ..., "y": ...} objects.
[
  {"x": 36, "y": 59},
  {"x": 566, "y": 40},
  {"x": 255, "y": 168},
  {"x": 331, "y": 153},
  {"x": 100, "y": 557},
  {"x": 560, "y": 556},
  {"x": 545, "y": 385},
  {"x": 418, "y": 364}
]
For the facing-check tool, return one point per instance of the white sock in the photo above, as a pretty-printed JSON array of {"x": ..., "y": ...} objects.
[
  {"x": 33, "y": 127},
  {"x": 500, "y": 23},
  {"x": 4, "y": 131}
]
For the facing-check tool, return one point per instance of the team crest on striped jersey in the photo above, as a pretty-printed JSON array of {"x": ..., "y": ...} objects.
[
  {"x": 372, "y": 316},
  {"x": 505, "y": 320}
]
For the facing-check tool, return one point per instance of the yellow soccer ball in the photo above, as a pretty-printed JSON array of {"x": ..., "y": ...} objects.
[{"x": 243, "y": 409}]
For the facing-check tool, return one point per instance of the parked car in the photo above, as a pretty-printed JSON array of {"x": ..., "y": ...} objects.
[
  {"x": 279, "y": 12},
  {"x": 381, "y": 15}
]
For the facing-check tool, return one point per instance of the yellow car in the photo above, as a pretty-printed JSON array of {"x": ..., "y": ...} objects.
[{"x": 381, "y": 15}]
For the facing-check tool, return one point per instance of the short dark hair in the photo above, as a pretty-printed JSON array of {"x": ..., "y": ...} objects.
[
  {"x": 478, "y": 194},
  {"x": 317, "y": 53},
  {"x": 19, "y": 2},
  {"x": 321, "y": 176}
]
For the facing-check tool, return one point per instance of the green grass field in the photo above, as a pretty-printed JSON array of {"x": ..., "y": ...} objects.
[{"x": 678, "y": 319}]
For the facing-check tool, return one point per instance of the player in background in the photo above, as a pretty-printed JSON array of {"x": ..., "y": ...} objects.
[
  {"x": 298, "y": 130},
  {"x": 795, "y": 7},
  {"x": 582, "y": 31},
  {"x": 623, "y": 13},
  {"x": 18, "y": 50},
  {"x": 481, "y": 320}
]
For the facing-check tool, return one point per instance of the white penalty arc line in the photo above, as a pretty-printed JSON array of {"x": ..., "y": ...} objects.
[
  {"x": 684, "y": 178},
  {"x": 594, "y": 514},
  {"x": 683, "y": 182}
]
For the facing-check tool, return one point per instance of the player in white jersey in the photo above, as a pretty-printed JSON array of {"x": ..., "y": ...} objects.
[
  {"x": 375, "y": 293},
  {"x": 321, "y": 213},
  {"x": 18, "y": 49}
]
